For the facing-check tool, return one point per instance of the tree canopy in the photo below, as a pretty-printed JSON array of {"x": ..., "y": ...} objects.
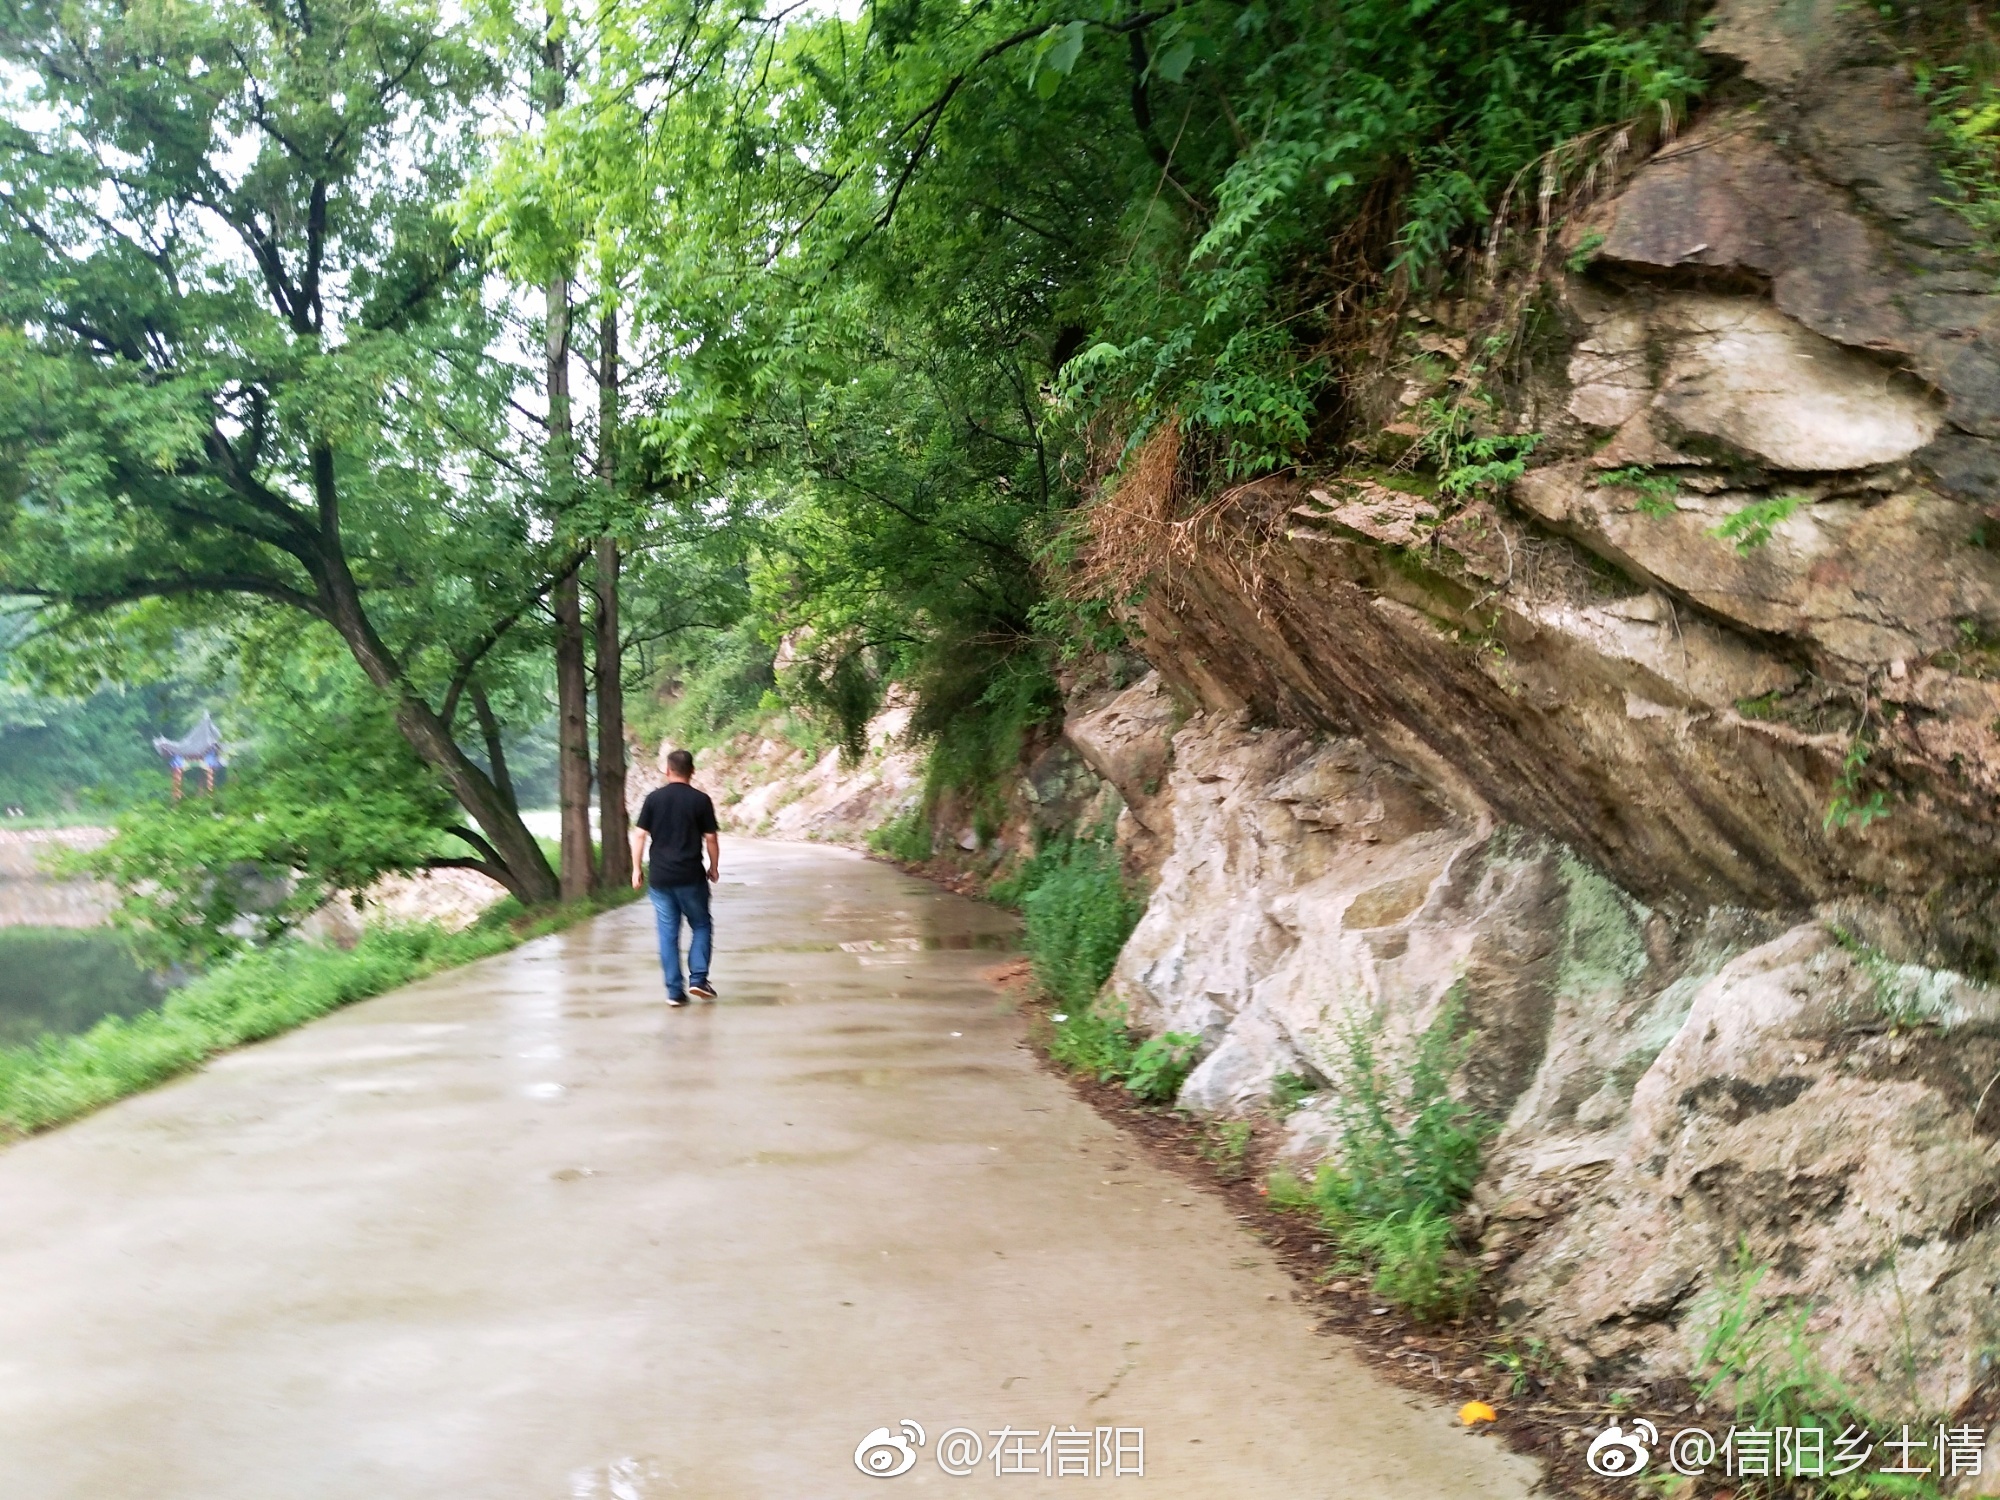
[{"x": 859, "y": 309}]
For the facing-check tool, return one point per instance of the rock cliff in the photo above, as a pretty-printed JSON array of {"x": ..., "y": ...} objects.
[{"x": 1673, "y": 765}]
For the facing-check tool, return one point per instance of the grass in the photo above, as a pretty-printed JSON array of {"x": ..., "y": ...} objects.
[
  {"x": 1080, "y": 910},
  {"x": 906, "y": 837},
  {"x": 248, "y": 999},
  {"x": 1757, "y": 1357},
  {"x": 1225, "y": 1145},
  {"x": 1406, "y": 1158}
]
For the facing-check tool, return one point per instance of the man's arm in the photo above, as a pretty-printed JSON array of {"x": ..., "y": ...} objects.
[
  {"x": 714, "y": 856},
  {"x": 638, "y": 858}
]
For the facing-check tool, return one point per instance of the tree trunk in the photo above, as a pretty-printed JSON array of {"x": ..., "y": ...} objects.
[
  {"x": 572, "y": 685},
  {"x": 517, "y": 860},
  {"x": 496, "y": 752},
  {"x": 616, "y": 868}
]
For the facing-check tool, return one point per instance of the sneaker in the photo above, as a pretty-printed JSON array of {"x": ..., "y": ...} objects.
[
  {"x": 677, "y": 1000},
  {"x": 701, "y": 989}
]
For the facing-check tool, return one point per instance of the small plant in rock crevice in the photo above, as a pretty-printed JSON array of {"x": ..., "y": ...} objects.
[
  {"x": 1906, "y": 997},
  {"x": 1848, "y": 807},
  {"x": 1752, "y": 526},
  {"x": 1289, "y": 1091},
  {"x": 1468, "y": 461},
  {"x": 1656, "y": 492}
]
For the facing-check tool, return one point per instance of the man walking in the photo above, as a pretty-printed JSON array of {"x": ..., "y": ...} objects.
[{"x": 680, "y": 822}]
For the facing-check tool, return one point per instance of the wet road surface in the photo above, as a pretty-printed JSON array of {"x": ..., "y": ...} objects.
[{"x": 520, "y": 1233}]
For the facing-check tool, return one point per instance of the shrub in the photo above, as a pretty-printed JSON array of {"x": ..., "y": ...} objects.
[
  {"x": 1161, "y": 1066},
  {"x": 1408, "y": 1155},
  {"x": 1079, "y": 913},
  {"x": 906, "y": 837},
  {"x": 1088, "y": 1041}
]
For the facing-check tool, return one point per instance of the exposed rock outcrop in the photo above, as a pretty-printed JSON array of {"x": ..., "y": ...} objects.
[{"x": 1675, "y": 768}]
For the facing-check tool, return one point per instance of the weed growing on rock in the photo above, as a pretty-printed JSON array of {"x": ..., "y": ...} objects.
[
  {"x": 1751, "y": 527},
  {"x": 1906, "y": 996},
  {"x": 1466, "y": 460},
  {"x": 1407, "y": 1156},
  {"x": 1656, "y": 492},
  {"x": 1757, "y": 1355},
  {"x": 1849, "y": 809}
]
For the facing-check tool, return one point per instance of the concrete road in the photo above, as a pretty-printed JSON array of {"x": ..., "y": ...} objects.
[{"x": 520, "y": 1233}]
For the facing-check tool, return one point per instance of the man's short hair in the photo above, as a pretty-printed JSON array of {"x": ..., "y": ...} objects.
[{"x": 681, "y": 762}]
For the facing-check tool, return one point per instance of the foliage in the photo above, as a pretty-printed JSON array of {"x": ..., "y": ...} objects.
[
  {"x": 246, "y": 367},
  {"x": 1656, "y": 492},
  {"x": 1756, "y": 1354},
  {"x": 1160, "y": 1066},
  {"x": 1467, "y": 459},
  {"x": 1406, "y": 1156},
  {"x": 1079, "y": 913},
  {"x": 1848, "y": 808},
  {"x": 1751, "y": 527},
  {"x": 913, "y": 279},
  {"x": 59, "y": 754},
  {"x": 1963, "y": 98},
  {"x": 325, "y": 797},
  {"x": 907, "y": 837},
  {"x": 1093, "y": 1040},
  {"x": 712, "y": 692}
]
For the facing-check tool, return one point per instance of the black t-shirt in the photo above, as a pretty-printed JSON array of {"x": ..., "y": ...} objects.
[{"x": 676, "y": 815}]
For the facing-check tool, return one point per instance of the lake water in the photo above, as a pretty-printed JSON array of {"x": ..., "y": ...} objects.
[{"x": 64, "y": 980}]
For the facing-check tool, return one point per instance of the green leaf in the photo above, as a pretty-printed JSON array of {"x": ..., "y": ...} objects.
[
  {"x": 1171, "y": 65},
  {"x": 1066, "y": 48}
]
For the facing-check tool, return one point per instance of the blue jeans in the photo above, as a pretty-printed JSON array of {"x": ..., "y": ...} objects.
[{"x": 671, "y": 903}]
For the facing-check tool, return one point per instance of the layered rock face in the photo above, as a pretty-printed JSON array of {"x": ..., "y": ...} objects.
[{"x": 1675, "y": 767}]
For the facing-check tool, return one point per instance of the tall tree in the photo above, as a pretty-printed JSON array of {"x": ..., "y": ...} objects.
[
  {"x": 613, "y": 832},
  {"x": 572, "y": 687},
  {"x": 241, "y": 347}
]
